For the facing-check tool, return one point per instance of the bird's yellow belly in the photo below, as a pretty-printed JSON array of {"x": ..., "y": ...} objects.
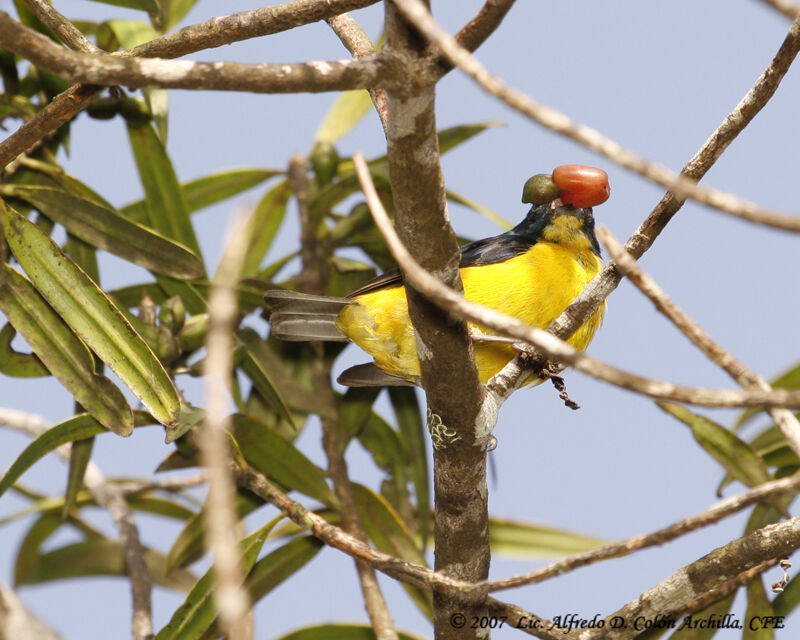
[{"x": 535, "y": 287}]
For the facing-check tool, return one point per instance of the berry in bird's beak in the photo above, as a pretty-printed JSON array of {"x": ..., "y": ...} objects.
[
  {"x": 540, "y": 189},
  {"x": 580, "y": 185}
]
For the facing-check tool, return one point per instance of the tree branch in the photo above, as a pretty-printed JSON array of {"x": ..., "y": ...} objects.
[
  {"x": 484, "y": 24},
  {"x": 62, "y": 27},
  {"x": 670, "y": 597},
  {"x": 358, "y": 44},
  {"x": 786, "y": 7},
  {"x": 183, "y": 74},
  {"x": 461, "y": 518},
  {"x": 682, "y": 185},
  {"x": 744, "y": 376}
]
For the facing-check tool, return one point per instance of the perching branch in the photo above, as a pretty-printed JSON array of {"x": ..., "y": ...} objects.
[
  {"x": 786, "y": 7},
  {"x": 553, "y": 348},
  {"x": 746, "y": 377},
  {"x": 484, "y": 24},
  {"x": 213, "y": 442}
]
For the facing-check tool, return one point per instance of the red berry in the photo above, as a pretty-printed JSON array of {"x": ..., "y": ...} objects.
[{"x": 580, "y": 185}]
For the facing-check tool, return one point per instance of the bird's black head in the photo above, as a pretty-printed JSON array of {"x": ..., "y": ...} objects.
[{"x": 561, "y": 224}]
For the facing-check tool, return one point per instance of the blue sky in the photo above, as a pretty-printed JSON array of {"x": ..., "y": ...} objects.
[{"x": 658, "y": 78}]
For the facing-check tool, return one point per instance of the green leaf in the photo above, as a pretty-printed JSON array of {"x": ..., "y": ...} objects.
[
  {"x": 61, "y": 351},
  {"x": 253, "y": 364},
  {"x": 409, "y": 420},
  {"x": 277, "y": 458},
  {"x": 355, "y": 411},
  {"x": 107, "y": 229},
  {"x": 188, "y": 546},
  {"x": 166, "y": 205},
  {"x": 129, "y": 33},
  {"x": 528, "y": 540},
  {"x": 499, "y": 220},
  {"x": 76, "y": 428},
  {"x": 158, "y": 105},
  {"x": 758, "y": 607},
  {"x": 208, "y": 190},
  {"x": 340, "y": 632},
  {"x": 79, "y": 456},
  {"x": 263, "y": 225},
  {"x": 386, "y": 529},
  {"x": 788, "y": 599},
  {"x": 735, "y": 455},
  {"x": 97, "y": 557},
  {"x": 176, "y": 11},
  {"x": 198, "y": 611},
  {"x": 281, "y": 564},
  {"x": 151, "y": 6},
  {"x": 347, "y": 111},
  {"x": 93, "y": 316},
  {"x": 16, "y": 364},
  {"x": 789, "y": 379},
  {"x": 454, "y": 136}
]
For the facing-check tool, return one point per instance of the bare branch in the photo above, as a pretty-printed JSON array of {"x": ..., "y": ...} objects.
[
  {"x": 484, "y": 24},
  {"x": 111, "y": 70},
  {"x": 109, "y": 496},
  {"x": 357, "y": 43},
  {"x": 552, "y": 347},
  {"x": 236, "y": 27},
  {"x": 746, "y": 377},
  {"x": 232, "y": 600},
  {"x": 680, "y": 185},
  {"x": 786, "y": 7},
  {"x": 715, "y": 513},
  {"x": 17, "y": 622},
  {"x": 670, "y": 597},
  {"x": 62, "y": 27}
]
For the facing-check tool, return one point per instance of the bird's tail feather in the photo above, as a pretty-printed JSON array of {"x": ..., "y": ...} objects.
[{"x": 302, "y": 316}]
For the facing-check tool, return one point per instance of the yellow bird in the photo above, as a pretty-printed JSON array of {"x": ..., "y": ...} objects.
[{"x": 532, "y": 272}]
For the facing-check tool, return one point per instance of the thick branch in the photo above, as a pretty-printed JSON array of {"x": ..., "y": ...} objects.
[
  {"x": 177, "y": 74},
  {"x": 671, "y": 596}
]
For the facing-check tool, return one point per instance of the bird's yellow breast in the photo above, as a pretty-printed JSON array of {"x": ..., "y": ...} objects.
[{"x": 535, "y": 286}]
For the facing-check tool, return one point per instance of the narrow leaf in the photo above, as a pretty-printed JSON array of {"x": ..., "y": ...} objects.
[
  {"x": 759, "y": 609},
  {"x": 79, "y": 456},
  {"x": 499, "y": 220},
  {"x": 735, "y": 455},
  {"x": 253, "y": 365},
  {"x": 279, "y": 459},
  {"x": 150, "y": 6},
  {"x": 166, "y": 205},
  {"x": 76, "y": 428},
  {"x": 16, "y": 364},
  {"x": 198, "y": 611},
  {"x": 263, "y": 224},
  {"x": 61, "y": 351},
  {"x": 528, "y": 540},
  {"x": 347, "y": 111},
  {"x": 108, "y": 230},
  {"x": 789, "y": 379},
  {"x": 93, "y": 316},
  {"x": 341, "y": 632},
  {"x": 280, "y": 564}
]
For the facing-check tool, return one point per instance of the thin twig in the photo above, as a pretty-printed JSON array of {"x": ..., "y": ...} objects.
[
  {"x": 484, "y": 24},
  {"x": 62, "y": 27},
  {"x": 164, "y": 484},
  {"x": 109, "y": 496},
  {"x": 786, "y": 7},
  {"x": 357, "y": 43},
  {"x": 231, "y": 598},
  {"x": 183, "y": 74},
  {"x": 683, "y": 187},
  {"x": 746, "y": 377},
  {"x": 715, "y": 513},
  {"x": 552, "y": 347}
]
